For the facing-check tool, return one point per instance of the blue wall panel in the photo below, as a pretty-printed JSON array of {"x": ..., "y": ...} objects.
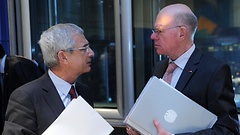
[{"x": 4, "y": 28}]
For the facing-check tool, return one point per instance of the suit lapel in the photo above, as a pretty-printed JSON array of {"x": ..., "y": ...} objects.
[
  {"x": 189, "y": 70},
  {"x": 51, "y": 95}
]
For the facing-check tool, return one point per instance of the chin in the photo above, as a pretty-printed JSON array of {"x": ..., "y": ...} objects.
[
  {"x": 159, "y": 52},
  {"x": 88, "y": 69}
]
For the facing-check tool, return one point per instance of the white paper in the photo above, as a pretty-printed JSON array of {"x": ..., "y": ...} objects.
[{"x": 79, "y": 118}]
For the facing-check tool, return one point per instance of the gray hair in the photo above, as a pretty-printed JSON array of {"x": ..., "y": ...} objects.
[
  {"x": 56, "y": 38},
  {"x": 189, "y": 20}
]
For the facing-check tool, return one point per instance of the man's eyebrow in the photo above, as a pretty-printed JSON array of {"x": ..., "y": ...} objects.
[{"x": 85, "y": 44}]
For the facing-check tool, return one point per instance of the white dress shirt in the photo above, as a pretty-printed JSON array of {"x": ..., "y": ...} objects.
[
  {"x": 62, "y": 87},
  {"x": 181, "y": 62}
]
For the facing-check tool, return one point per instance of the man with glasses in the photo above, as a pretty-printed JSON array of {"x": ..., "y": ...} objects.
[
  {"x": 202, "y": 78},
  {"x": 34, "y": 107}
]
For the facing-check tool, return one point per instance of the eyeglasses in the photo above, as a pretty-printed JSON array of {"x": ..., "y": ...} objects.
[
  {"x": 86, "y": 48},
  {"x": 157, "y": 31}
]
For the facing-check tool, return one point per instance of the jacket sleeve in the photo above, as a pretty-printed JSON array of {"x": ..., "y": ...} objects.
[{"x": 20, "y": 118}]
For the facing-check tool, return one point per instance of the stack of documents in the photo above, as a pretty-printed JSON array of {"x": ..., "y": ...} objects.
[
  {"x": 174, "y": 111},
  {"x": 79, "y": 118}
]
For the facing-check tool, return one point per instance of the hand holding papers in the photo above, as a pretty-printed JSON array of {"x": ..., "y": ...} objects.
[
  {"x": 175, "y": 112},
  {"x": 79, "y": 118}
]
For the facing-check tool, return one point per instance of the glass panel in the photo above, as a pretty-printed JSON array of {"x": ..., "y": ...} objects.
[
  {"x": 39, "y": 20},
  {"x": 144, "y": 13},
  {"x": 96, "y": 17},
  {"x": 218, "y": 33}
]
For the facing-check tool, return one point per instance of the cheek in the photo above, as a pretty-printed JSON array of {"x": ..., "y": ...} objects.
[
  {"x": 82, "y": 63},
  {"x": 166, "y": 45},
  {"x": 170, "y": 41},
  {"x": 80, "y": 67},
  {"x": 79, "y": 62}
]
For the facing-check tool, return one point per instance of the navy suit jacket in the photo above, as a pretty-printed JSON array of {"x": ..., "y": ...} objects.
[
  {"x": 34, "y": 106},
  {"x": 207, "y": 81}
]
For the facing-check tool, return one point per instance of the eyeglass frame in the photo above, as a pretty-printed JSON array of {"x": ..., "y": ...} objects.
[
  {"x": 86, "y": 48},
  {"x": 157, "y": 31}
]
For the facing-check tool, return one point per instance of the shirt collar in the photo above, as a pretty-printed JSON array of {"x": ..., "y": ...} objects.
[
  {"x": 183, "y": 59},
  {"x": 61, "y": 85}
]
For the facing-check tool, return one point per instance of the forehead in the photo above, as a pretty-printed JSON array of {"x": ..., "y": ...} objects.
[
  {"x": 80, "y": 40},
  {"x": 163, "y": 19}
]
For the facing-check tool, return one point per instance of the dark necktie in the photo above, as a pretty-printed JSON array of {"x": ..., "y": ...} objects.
[
  {"x": 168, "y": 74},
  {"x": 72, "y": 93}
]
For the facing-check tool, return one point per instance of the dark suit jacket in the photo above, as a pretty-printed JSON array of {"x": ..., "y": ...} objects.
[
  {"x": 17, "y": 71},
  {"x": 207, "y": 81},
  {"x": 35, "y": 105}
]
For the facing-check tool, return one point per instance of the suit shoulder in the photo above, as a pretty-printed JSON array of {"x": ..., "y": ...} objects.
[
  {"x": 213, "y": 60},
  {"x": 32, "y": 86}
]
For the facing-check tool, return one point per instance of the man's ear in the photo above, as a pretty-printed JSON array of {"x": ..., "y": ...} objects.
[
  {"x": 61, "y": 56},
  {"x": 182, "y": 33}
]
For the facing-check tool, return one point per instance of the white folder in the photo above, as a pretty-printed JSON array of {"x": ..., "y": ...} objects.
[
  {"x": 174, "y": 111},
  {"x": 79, "y": 118}
]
